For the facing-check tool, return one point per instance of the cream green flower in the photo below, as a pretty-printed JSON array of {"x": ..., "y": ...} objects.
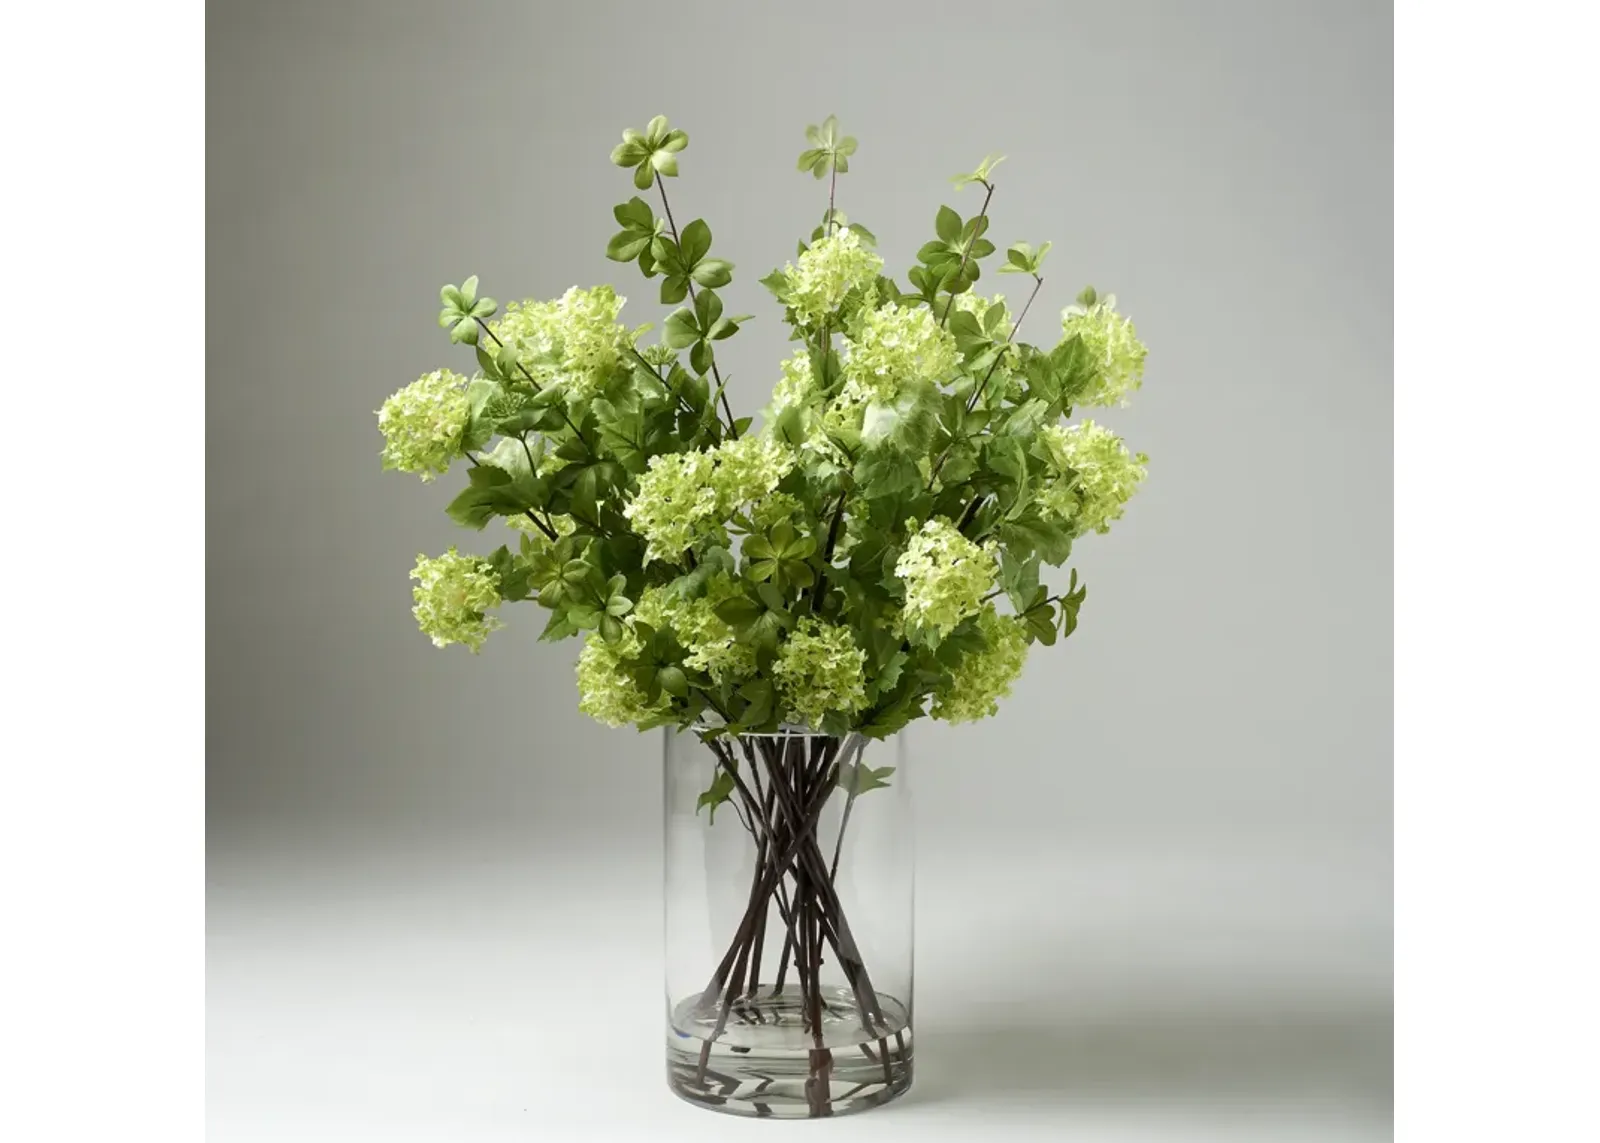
[
  {"x": 683, "y": 499},
  {"x": 453, "y": 593},
  {"x": 798, "y": 387},
  {"x": 675, "y": 505},
  {"x": 894, "y": 347},
  {"x": 708, "y": 641},
  {"x": 829, "y": 270},
  {"x": 1095, "y": 475},
  {"x": 575, "y": 341},
  {"x": 606, "y": 690},
  {"x": 982, "y": 678},
  {"x": 946, "y": 577},
  {"x": 422, "y": 424},
  {"x": 1113, "y": 346},
  {"x": 778, "y": 508},
  {"x": 820, "y": 670},
  {"x": 747, "y": 469}
]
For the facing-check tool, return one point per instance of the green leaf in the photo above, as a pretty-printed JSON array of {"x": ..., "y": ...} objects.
[
  {"x": 947, "y": 225},
  {"x": 713, "y": 272},
  {"x": 635, "y": 214},
  {"x": 695, "y": 241},
  {"x": 643, "y": 177},
  {"x": 759, "y": 697},
  {"x": 981, "y": 174},
  {"x": 701, "y": 357},
  {"x": 778, "y": 283},
  {"x": 681, "y": 330},
  {"x": 739, "y": 611},
  {"x": 707, "y": 308},
  {"x": 629, "y": 153},
  {"x": 721, "y": 790},
  {"x": 859, "y": 778},
  {"x": 1050, "y": 540},
  {"x": 627, "y": 246}
]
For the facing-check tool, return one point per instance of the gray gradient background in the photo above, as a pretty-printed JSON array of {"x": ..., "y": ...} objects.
[{"x": 1154, "y": 894}]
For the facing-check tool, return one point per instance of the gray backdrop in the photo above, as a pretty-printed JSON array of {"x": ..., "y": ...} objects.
[{"x": 1154, "y": 892}]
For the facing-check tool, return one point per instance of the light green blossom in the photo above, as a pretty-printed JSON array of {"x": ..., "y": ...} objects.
[
  {"x": 778, "y": 508},
  {"x": 829, "y": 270},
  {"x": 606, "y": 690},
  {"x": 1095, "y": 475},
  {"x": 982, "y": 678},
  {"x": 820, "y": 670},
  {"x": 684, "y": 498},
  {"x": 675, "y": 506},
  {"x": 747, "y": 469},
  {"x": 452, "y": 594},
  {"x": 798, "y": 387},
  {"x": 708, "y": 641},
  {"x": 575, "y": 341},
  {"x": 894, "y": 347},
  {"x": 1113, "y": 346},
  {"x": 422, "y": 424},
  {"x": 946, "y": 577}
]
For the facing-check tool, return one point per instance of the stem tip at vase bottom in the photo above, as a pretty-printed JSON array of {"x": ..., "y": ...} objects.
[{"x": 766, "y": 1063}]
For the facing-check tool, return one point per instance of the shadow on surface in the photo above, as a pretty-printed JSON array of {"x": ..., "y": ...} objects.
[{"x": 1260, "y": 1057}]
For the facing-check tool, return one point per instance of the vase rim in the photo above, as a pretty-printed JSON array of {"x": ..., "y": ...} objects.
[{"x": 786, "y": 730}]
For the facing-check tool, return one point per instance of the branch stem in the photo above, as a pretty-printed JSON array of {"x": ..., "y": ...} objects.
[
  {"x": 672, "y": 223},
  {"x": 966, "y": 252}
]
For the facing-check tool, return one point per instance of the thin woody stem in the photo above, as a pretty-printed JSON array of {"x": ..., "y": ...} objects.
[
  {"x": 721, "y": 389},
  {"x": 972, "y": 402},
  {"x": 966, "y": 253}
]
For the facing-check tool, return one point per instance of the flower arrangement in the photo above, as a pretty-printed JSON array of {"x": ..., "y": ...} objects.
[{"x": 871, "y": 553}]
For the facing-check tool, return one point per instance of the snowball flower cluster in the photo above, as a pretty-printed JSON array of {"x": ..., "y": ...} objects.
[
  {"x": 820, "y": 670},
  {"x": 980, "y": 679},
  {"x": 684, "y": 498},
  {"x": 453, "y": 593},
  {"x": 946, "y": 577},
  {"x": 829, "y": 270},
  {"x": 708, "y": 640},
  {"x": 1113, "y": 346},
  {"x": 895, "y": 347},
  {"x": 607, "y": 692},
  {"x": 422, "y": 424},
  {"x": 1095, "y": 475},
  {"x": 575, "y": 341}
]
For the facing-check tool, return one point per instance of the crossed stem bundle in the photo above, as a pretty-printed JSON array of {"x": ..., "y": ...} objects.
[{"x": 779, "y": 794}]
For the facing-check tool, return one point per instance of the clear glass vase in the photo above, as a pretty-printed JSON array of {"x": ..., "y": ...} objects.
[{"x": 789, "y": 922}]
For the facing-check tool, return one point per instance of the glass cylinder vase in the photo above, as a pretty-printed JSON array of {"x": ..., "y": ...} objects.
[{"x": 789, "y": 921}]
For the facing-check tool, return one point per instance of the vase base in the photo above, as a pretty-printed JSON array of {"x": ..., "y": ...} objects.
[{"x": 761, "y": 1064}]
